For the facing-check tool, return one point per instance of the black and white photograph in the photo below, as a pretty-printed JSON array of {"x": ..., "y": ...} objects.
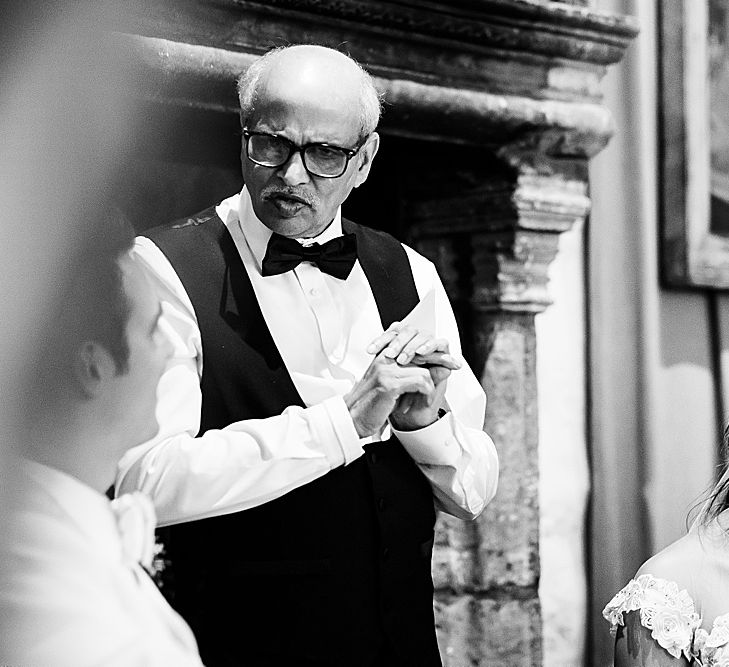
[{"x": 384, "y": 333}]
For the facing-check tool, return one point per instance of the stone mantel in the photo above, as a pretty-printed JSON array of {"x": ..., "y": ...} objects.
[
  {"x": 506, "y": 29},
  {"x": 489, "y": 72}
]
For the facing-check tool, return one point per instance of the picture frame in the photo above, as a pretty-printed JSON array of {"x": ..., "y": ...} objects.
[{"x": 694, "y": 143}]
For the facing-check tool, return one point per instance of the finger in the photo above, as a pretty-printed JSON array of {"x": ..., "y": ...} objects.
[
  {"x": 433, "y": 345},
  {"x": 421, "y": 383},
  {"x": 394, "y": 380},
  {"x": 403, "y": 337},
  {"x": 416, "y": 342},
  {"x": 404, "y": 380},
  {"x": 379, "y": 343},
  {"x": 436, "y": 398},
  {"x": 437, "y": 359},
  {"x": 439, "y": 374},
  {"x": 404, "y": 403}
]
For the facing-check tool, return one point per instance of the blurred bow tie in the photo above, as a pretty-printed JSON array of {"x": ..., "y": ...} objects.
[
  {"x": 335, "y": 257},
  {"x": 136, "y": 521}
]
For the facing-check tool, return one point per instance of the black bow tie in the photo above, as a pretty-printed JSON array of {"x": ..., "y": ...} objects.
[{"x": 335, "y": 257}]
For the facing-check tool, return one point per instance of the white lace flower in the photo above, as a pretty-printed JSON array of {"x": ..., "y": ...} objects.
[
  {"x": 722, "y": 621},
  {"x": 136, "y": 521},
  {"x": 671, "y": 628},
  {"x": 719, "y": 636},
  {"x": 664, "y": 609},
  {"x": 720, "y": 658},
  {"x": 712, "y": 657},
  {"x": 613, "y": 612},
  {"x": 627, "y": 599},
  {"x": 700, "y": 637},
  {"x": 712, "y": 648}
]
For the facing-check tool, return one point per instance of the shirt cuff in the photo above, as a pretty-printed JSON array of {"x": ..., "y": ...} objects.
[
  {"x": 346, "y": 434},
  {"x": 435, "y": 444}
]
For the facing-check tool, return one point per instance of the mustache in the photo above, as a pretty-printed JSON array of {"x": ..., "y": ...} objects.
[{"x": 272, "y": 191}]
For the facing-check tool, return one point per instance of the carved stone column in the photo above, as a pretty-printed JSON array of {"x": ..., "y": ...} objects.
[{"x": 493, "y": 233}]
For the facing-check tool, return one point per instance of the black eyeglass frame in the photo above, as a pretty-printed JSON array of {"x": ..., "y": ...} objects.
[{"x": 349, "y": 153}]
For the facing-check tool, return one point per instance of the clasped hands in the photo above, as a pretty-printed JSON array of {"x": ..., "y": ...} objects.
[{"x": 405, "y": 382}]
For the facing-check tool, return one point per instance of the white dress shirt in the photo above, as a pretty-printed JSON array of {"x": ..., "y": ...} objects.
[
  {"x": 322, "y": 326},
  {"x": 69, "y": 597}
]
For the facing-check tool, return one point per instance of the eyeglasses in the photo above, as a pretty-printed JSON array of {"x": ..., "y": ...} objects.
[{"x": 323, "y": 160}]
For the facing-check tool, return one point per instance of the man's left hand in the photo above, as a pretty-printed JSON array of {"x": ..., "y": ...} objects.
[
  {"x": 411, "y": 347},
  {"x": 414, "y": 411}
]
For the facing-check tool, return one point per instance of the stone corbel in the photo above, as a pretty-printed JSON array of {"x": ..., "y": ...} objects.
[{"x": 511, "y": 265}]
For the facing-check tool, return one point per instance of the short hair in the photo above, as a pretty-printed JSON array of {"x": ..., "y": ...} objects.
[
  {"x": 97, "y": 296},
  {"x": 370, "y": 99},
  {"x": 90, "y": 305}
]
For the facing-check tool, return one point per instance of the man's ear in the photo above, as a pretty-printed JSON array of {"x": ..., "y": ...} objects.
[
  {"x": 366, "y": 156},
  {"x": 93, "y": 366}
]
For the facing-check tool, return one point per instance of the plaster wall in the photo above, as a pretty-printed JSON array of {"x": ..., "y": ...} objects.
[
  {"x": 652, "y": 421},
  {"x": 563, "y": 464}
]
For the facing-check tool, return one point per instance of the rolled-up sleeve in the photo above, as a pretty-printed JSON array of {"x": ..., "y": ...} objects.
[{"x": 454, "y": 453}]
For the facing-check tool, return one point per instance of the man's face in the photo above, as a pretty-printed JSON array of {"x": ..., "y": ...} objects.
[
  {"x": 135, "y": 391},
  {"x": 287, "y": 199}
]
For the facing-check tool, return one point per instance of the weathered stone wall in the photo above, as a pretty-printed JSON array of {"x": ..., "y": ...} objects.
[{"x": 487, "y": 571}]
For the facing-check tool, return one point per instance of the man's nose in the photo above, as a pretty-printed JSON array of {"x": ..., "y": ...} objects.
[{"x": 293, "y": 172}]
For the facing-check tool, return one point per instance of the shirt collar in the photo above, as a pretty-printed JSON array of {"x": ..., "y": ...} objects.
[
  {"x": 257, "y": 234},
  {"x": 86, "y": 507}
]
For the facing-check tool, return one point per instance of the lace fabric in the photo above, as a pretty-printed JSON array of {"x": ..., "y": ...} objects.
[
  {"x": 712, "y": 648},
  {"x": 670, "y": 615}
]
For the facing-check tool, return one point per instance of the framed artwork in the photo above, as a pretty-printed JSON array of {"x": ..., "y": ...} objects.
[{"x": 694, "y": 143}]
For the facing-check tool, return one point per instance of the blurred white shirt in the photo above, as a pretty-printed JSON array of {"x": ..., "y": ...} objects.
[
  {"x": 68, "y": 595},
  {"x": 321, "y": 325}
]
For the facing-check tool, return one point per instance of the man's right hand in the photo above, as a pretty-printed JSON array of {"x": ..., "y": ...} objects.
[
  {"x": 373, "y": 398},
  {"x": 404, "y": 364}
]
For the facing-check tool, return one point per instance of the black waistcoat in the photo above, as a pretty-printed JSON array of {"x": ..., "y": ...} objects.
[{"x": 336, "y": 572}]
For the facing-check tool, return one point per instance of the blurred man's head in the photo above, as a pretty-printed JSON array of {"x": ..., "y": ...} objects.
[
  {"x": 130, "y": 394},
  {"x": 309, "y": 115},
  {"x": 96, "y": 380}
]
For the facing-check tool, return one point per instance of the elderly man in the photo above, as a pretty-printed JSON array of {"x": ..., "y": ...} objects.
[
  {"x": 72, "y": 589},
  {"x": 295, "y": 384}
]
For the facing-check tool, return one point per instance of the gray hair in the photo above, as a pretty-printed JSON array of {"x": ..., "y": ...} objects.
[{"x": 370, "y": 100}]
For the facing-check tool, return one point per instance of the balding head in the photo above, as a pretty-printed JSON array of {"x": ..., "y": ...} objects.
[
  {"x": 305, "y": 100},
  {"x": 316, "y": 74}
]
